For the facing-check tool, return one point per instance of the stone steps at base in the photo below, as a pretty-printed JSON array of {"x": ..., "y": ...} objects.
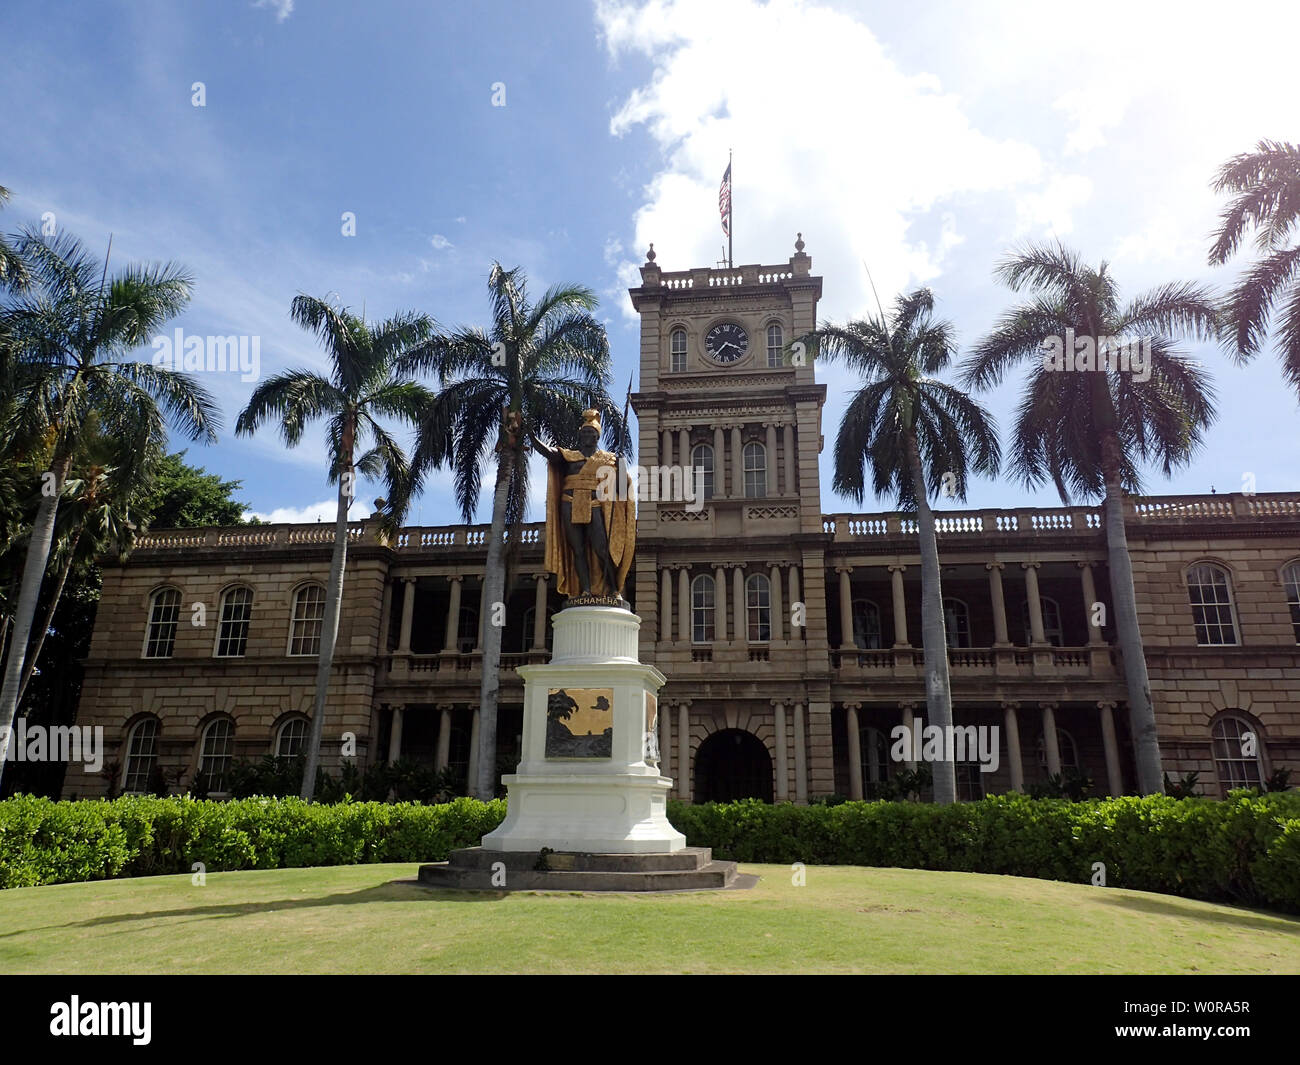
[
  {"x": 715, "y": 875},
  {"x": 688, "y": 859}
]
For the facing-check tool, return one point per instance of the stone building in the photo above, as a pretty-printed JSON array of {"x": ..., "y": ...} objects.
[{"x": 790, "y": 637}]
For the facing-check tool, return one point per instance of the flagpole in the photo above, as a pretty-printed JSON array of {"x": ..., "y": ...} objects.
[{"x": 731, "y": 213}]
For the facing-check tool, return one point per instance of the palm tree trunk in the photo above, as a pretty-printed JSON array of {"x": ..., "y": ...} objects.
[
  {"x": 1142, "y": 715},
  {"x": 934, "y": 643},
  {"x": 29, "y": 666},
  {"x": 38, "y": 556},
  {"x": 329, "y": 633},
  {"x": 494, "y": 581}
]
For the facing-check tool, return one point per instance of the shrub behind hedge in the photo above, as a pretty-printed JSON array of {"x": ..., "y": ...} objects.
[{"x": 1244, "y": 849}]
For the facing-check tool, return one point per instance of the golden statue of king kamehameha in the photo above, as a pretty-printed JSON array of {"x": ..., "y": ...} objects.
[{"x": 590, "y": 517}]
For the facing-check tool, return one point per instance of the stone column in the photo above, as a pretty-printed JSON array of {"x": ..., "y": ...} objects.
[
  {"x": 444, "y": 736},
  {"x": 909, "y": 718},
  {"x": 794, "y": 598},
  {"x": 395, "y": 736},
  {"x": 737, "y": 465},
  {"x": 483, "y": 607},
  {"x": 408, "y": 612},
  {"x": 782, "y": 763},
  {"x": 719, "y": 604},
  {"x": 1016, "y": 766},
  {"x": 855, "y": 750},
  {"x": 665, "y": 739},
  {"x": 666, "y": 449},
  {"x": 1051, "y": 748},
  {"x": 900, "y": 606},
  {"x": 385, "y": 617},
  {"x": 684, "y": 632},
  {"x": 1000, "y": 638},
  {"x": 774, "y": 598},
  {"x": 1114, "y": 778},
  {"x": 790, "y": 488},
  {"x": 846, "y": 608},
  {"x": 1036, "y": 637},
  {"x": 666, "y": 605},
  {"x": 800, "y": 756},
  {"x": 472, "y": 769},
  {"x": 453, "y": 613},
  {"x": 684, "y": 750},
  {"x": 1089, "y": 598},
  {"x": 539, "y": 614},
  {"x": 684, "y": 450},
  {"x": 741, "y": 627},
  {"x": 771, "y": 458},
  {"x": 719, "y": 463}
]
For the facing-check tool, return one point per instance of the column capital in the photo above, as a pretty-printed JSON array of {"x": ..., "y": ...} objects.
[
  {"x": 843, "y": 567},
  {"x": 1106, "y": 704},
  {"x": 407, "y": 580},
  {"x": 1085, "y": 563},
  {"x": 1049, "y": 706},
  {"x": 445, "y": 707},
  {"x": 852, "y": 706},
  {"x": 776, "y": 565},
  {"x": 683, "y": 704},
  {"x": 896, "y": 567},
  {"x": 778, "y": 702},
  {"x": 995, "y": 565},
  {"x": 541, "y": 575},
  {"x": 450, "y": 577},
  {"x": 908, "y": 705},
  {"x": 1030, "y": 565},
  {"x": 1007, "y": 704}
]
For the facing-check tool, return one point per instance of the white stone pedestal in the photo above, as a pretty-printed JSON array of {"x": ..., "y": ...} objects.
[{"x": 577, "y": 789}]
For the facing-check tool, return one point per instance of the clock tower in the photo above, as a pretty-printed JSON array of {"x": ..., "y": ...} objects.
[{"x": 730, "y": 584}]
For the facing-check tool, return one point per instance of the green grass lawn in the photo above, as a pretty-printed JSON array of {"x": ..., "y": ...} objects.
[{"x": 375, "y": 919}]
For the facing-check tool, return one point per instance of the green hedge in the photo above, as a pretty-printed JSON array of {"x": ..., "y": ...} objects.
[{"x": 1245, "y": 849}]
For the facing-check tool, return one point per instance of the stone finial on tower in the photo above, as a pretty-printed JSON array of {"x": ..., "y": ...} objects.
[
  {"x": 650, "y": 255},
  {"x": 798, "y": 243},
  {"x": 800, "y": 261}
]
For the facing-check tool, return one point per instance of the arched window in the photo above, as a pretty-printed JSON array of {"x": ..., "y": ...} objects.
[
  {"x": 866, "y": 624},
  {"x": 141, "y": 756},
  {"x": 291, "y": 737},
  {"x": 677, "y": 346},
  {"x": 755, "y": 470},
  {"x": 215, "y": 753},
  {"x": 526, "y": 635},
  {"x": 702, "y": 461},
  {"x": 308, "y": 614},
  {"x": 874, "y": 746},
  {"x": 702, "y": 609},
  {"x": 1211, "y": 599},
  {"x": 164, "y": 611},
  {"x": 1052, "y": 631},
  {"x": 1238, "y": 752},
  {"x": 775, "y": 341},
  {"x": 1066, "y": 747},
  {"x": 467, "y": 630},
  {"x": 1291, "y": 582},
  {"x": 232, "y": 632},
  {"x": 956, "y": 623},
  {"x": 758, "y": 601}
]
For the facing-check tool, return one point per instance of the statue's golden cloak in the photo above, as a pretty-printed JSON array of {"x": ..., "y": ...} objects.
[{"x": 620, "y": 526}]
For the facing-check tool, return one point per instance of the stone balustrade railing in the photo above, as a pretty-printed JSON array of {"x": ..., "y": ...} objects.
[{"x": 413, "y": 539}]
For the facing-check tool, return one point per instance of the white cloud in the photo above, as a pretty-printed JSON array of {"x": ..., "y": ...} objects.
[
  {"x": 282, "y": 8},
  {"x": 832, "y": 137},
  {"x": 324, "y": 511},
  {"x": 439, "y": 242}
]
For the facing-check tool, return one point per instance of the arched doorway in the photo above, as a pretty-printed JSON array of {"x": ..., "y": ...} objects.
[{"x": 732, "y": 764}]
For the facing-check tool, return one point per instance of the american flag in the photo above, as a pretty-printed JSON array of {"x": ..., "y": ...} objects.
[{"x": 724, "y": 201}]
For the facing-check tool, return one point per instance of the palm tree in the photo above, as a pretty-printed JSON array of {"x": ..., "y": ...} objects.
[
  {"x": 69, "y": 339},
  {"x": 13, "y": 271},
  {"x": 1089, "y": 430},
  {"x": 366, "y": 382},
  {"x": 1267, "y": 182},
  {"x": 919, "y": 435},
  {"x": 531, "y": 374}
]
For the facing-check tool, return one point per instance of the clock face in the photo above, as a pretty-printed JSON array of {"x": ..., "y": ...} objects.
[{"x": 726, "y": 342}]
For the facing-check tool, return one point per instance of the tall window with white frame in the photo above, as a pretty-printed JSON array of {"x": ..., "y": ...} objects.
[
  {"x": 290, "y": 738},
  {"x": 164, "y": 611},
  {"x": 775, "y": 341},
  {"x": 141, "y": 756},
  {"x": 216, "y": 752},
  {"x": 1210, "y": 594},
  {"x": 702, "y": 464},
  {"x": 677, "y": 348},
  {"x": 755, "y": 458},
  {"x": 1291, "y": 582},
  {"x": 308, "y": 614},
  {"x": 232, "y": 632},
  {"x": 874, "y": 747},
  {"x": 1238, "y": 752},
  {"x": 758, "y": 602},
  {"x": 1065, "y": 747},
  {"x": 956, "y": 623},
  {"x": 866, "y": 624},
  {"x": 1052, "y": 631},
  {"x": 703, "y": 606}
]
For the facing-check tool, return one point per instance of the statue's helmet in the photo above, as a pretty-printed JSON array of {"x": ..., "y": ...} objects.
[{"x": 591, "y": 420}]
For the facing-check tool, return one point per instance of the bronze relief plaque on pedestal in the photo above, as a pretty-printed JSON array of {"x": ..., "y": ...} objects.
[{"x": 580, "y": 723}]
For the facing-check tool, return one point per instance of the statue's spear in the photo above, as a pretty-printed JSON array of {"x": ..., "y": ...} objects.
[{"x": 627, "y": 433}]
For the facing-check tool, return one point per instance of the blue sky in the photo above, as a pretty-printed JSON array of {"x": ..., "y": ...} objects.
[{"x": 922, "y": 143}]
